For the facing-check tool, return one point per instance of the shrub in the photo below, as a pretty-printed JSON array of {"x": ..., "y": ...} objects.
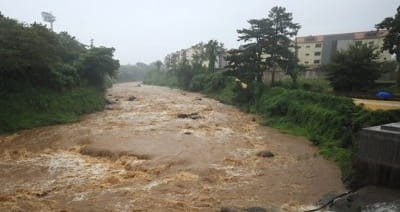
[{"x": 329, "y": 121}]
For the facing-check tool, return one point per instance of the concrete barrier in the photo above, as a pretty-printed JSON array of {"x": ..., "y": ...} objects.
[{"x": 379, "y": 155}]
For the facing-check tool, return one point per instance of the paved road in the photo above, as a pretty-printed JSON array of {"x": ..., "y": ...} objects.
[{"x": 378, "y": 104}]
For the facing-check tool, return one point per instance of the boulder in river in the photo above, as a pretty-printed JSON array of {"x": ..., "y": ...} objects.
[
  {"x": 108, "y": 101},
  {"x": 228, "y": 210},
  {"x": 132, "y": 98},
  {"x": 256, "y": 209},
  {"x": 193, "y": 116},
  {"x": 265, "y": 154}
]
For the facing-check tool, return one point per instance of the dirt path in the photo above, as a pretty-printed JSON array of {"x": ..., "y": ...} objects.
[
  {"x": 138, "y": 156},
  {"x": 378, "y": 104}
]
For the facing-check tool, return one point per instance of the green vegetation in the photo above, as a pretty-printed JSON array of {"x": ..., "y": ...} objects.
[
  {"x": 330, "y": 122},
  {"x": 354, "y": 69},
  {"x": 137, "y": 72},
  {"x": 162, "y": 78},
  {"x": 212, "y": 50},
  {"x": 391, "y": 41},
  {"x": 303, "y": 107},
  {"x": 48, "y": 77},
  {"x": 316, "y": 85},
  {"x": 268, "y": 46},
  {"x": 43, "y": 106}
]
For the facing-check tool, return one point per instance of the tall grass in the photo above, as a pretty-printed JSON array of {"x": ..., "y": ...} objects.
[{"x": 37, "y": 107}]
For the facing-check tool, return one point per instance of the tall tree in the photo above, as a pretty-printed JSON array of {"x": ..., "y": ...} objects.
[
  {"x": 278, "y": 41},
  {"x": 271, "y": 39},
  {"x": 254, "y": 50},
  {"x": 392, "y": 39},
  {"x": 171, "y": 60},
  {"x": 199, "y": 55},
  {"x": 242, "y": 63},
  {"x": 97, "y": 64},
  {"x": 213, "y": 49},
  {"x": 158, "y": 64},
  {"x": 354, "y": 69}
]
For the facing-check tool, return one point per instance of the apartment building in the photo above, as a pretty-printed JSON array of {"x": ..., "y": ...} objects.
[
  {"x": 193, "y": 53},
  {"x": 318, "y": 50}
]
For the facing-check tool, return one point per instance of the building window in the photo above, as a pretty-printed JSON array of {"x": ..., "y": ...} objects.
[
  {"x": 316, "y": 61},
  {"x": 307, "y": 54},
  {"x": 384, "y": 58},
  {"x": 306, "y": 62},
  {"x": 317, "y": 54},
  {"x": 307, "y": 46},
  {"x": 318, "y": 45},
  {"x": 358, "y": 42}
]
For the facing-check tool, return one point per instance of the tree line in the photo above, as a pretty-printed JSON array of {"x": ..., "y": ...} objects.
[
  {"x": 34, "y": 56},
  {"x": 332, "y": 122},
  {"x": 357, "y": 68},
  {"x": 269, "y": 46}
]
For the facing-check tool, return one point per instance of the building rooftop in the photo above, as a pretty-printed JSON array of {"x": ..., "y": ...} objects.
[{"x": 354, "y": 35}]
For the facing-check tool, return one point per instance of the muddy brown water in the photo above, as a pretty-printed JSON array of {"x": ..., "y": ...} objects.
[{"x": 138, "y": 156}]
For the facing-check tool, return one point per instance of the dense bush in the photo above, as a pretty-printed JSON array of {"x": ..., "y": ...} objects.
[
  {"x": 208, "y": 82},
  {"x": 48, "y": 77},
  {"x": 96, "y": 64},
  {"x": 317, "y": 85},
  {"x": 354, "y": 69},
  {"x": 34, "y": 56},
  {"x": 329, "y": 121}
]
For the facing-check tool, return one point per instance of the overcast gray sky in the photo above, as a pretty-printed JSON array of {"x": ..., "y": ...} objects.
[{"x": 147, "y": 30}]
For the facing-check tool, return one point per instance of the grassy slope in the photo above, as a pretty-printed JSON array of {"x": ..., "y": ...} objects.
[{"x": 38, "y": 107}]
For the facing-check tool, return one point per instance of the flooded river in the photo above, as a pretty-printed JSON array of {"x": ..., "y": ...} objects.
[{"x": 165, "y": 150}]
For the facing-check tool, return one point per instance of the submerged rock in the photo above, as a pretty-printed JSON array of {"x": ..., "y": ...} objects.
[
  {"x": 227, "y": 210},
  {"x": 255, "y": 209},
  {"x": 193, "y": 116},
  {"x": 132, "y": 98},
  {"x": 108, "y": 101},
  {"x": 265, "y": 154}
]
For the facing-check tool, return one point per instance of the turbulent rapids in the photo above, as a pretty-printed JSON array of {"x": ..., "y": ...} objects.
[{"x": 161, "y": 149}]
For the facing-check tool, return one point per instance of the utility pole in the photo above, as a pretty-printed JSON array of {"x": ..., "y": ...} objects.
[{"x": 91, "y": 43}]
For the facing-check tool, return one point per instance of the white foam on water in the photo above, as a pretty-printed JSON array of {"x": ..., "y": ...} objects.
[{"x": 383, "y": 207}]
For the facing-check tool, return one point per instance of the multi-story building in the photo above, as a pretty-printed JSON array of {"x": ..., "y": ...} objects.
[
  {"x": 196, "y": 54},
  {"x": 318, "y": 50}
]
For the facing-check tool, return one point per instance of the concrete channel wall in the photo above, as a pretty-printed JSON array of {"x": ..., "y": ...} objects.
[{"x": 379, "y": 155}]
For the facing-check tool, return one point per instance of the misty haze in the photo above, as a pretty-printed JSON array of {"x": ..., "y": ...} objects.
[{"x": 226, "y": 106}]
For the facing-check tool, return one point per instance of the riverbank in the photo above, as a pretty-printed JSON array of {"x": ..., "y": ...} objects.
[
  {"x": 331, "y": 122},
  {"x": 37, "y": 107}
]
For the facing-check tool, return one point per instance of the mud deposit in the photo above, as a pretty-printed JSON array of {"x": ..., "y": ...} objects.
[{"x": 141, "y": 155}]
